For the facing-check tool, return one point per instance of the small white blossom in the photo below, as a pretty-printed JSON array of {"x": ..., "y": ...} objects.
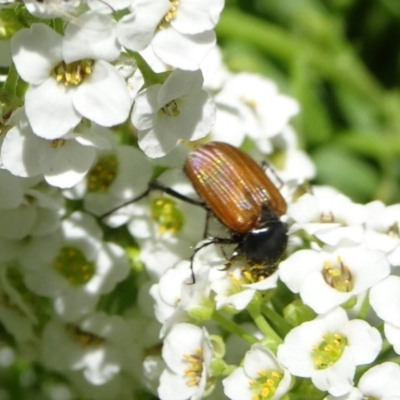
[
  {"x": 260, "y": 377},
  {"x": 379, "y": 382},
  {"x": 25, "y": 210},
  {"x": 70, "y": 77},
  {"x": 51, "y": 8},
  {"x": 385, "y": 300},
  {"x": 327, "y": 279},
  {"x": 117, "y": 175},
  {"x": 383, "y": 230},
  {"x": 98, "y": 346},
  {"x": 236, "y": 289},
  {"x": 251, "y": 105},
  {"x": 328, "y": 349},
  {"x": 330, "y": 216},
  {"x": 179, "y": 32},
  {"x": 73, "y": 266},
  {"x": 178, "y": 109},
  {"x": 62, "y": 163},
  {"x": 187, "y": 352}
]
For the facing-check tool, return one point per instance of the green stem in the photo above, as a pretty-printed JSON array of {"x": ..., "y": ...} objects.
[
  {"x": 364, "y": 310},
  {"x": 232, "y": 327},
  {"x": 272, "y": 337},
  {"x": 279, "y": 323},
  {"x": 10, "y": 85},
  {"x": 149, "y": 76}
]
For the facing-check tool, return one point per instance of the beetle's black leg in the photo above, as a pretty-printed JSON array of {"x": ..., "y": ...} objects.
[{"x": 216, "y": 240}]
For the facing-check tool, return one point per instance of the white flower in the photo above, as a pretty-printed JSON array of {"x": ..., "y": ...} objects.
[
  {"x": 330, "y": 216},
  {"x": 70, "y": 77},
  {"x": 187, "y": 352},
  {"x": 25, "y": 210},
  {"x": 383, "y": 230},
  {"x": 179, "y": 32},
  {"x": 385, "y": 300},
  {"x": 328, "y": 349},
  {"x": 63, "y": 162},
  {"x": 177, "y": 299},
  {"x": 117, "y": 176},
  {"x": 327, "y": 279},
  {"x": 73, "y": 266},
  {"x": 379, "y": 382},
  {"x": 16, "y": 314},
  {"x": 249, "y": 104},
  {"x": 98, "y": 346},
  {"x": 260, "y": 377},
  {"x": 236, "y": 289},
  {"x": 51, "y": 8},
  {"x": 178, "y": 109}
]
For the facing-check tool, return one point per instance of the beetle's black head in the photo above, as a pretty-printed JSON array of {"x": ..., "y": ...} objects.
[{"x": 265, "y": 244}]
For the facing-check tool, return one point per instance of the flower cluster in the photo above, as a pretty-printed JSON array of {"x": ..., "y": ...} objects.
[{"x": 101, "y": 293}]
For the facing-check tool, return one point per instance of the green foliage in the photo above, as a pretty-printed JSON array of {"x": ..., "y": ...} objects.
[{"x": 339, "y": 59}]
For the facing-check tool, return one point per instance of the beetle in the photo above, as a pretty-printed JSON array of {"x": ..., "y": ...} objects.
[{"x": 236, "y": 190}]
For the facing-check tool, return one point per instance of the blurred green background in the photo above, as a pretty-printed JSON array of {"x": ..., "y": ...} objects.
[{"x": 341, "y": 60}]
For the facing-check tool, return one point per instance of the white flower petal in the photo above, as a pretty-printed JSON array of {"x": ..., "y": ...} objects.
[
  {"x": 90, "y": 36},
  {"x": 385, "y": 299},
  {"x": 35, "y": 52},
  {"x": 182, "y": 51},
  {"x": 21, "y": 152},
  {"x": 103, "y": 96},
  {"x": 65, "y": 165},
  {"x": 136, "y": 30},
  {"x": 195, "y": 16},
  {"x": 49, "y": 109}
]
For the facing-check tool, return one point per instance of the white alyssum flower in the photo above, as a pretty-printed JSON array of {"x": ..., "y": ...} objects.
[
  {"x": 385, "y": 300},
  {"x": 383, "y": 230},
  {"x": 177, "y": 109},
  {"x": 179, "y": 32},
  {"x": 187, "y": 352},
  {"x": 98, "y": 346},
  {"x": 235, "y": 288},
  {"x": 379, "y": 382},
  {"x": 330, "y": 216},
  {"x": 71, "y": 77},
  {"x": 62, "y": 162},
  {"x": 177, "y": 299},
  {"x": 251, "y": 105},
  {"x": 328, "y": 278},
  {"x": 261, "y": 376},
  {"x": 73, "y": 266},
  {"x": 328, "y": 349},
  {"x": 166, "y": 228},
  {"x": 16, "y": 315},
  {"x": 118, "y": 175},
  {"x": 52, "y": 8},
  {"x": 25, "y": 210}
]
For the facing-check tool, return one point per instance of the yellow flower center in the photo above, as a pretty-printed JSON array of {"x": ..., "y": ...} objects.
[
  {"x": 171, "y": 109},
  {"x": 165, "y": 213},
  {"x": 394, "y": 231},
  {"x": 73, "y": 74},
  {"x": 102, "y": 175},
  {"x": 264, "y": 387},
  {"x": 329, "y": 350},
  {"x": 71, "y": 263},
  {"x": 338, "y": 276},
  {"x": 170, "y": 15},
  {"x": 194, "y": 367},
  {"x": 85, "y": 339}
]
